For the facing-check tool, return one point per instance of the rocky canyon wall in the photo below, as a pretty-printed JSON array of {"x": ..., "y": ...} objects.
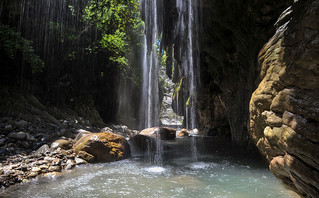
[
  {"x": 232, "y": 34},
  {"x": 284, "y": 109}
]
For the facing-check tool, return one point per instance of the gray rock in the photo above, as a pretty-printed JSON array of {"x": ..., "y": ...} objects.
[
  {"x": 22, "y": 123},
  {"x": 2, "y": 142},
  {"x": 25, "y": 144},
  {"x": 43, "y": 149},
  {"x": 18, "y": 136},
  {"x": 8, "y": 128},
  {"x": 79, "y": 161},
  {"x": 30, "y": 138},
  {"x": 69, "y": 165}
]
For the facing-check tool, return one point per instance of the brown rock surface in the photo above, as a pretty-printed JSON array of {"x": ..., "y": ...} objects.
[
  {"x": 284, "y": 109},
  {"x": 164, "y": 133},
  {"x": 102, "y": 147}
]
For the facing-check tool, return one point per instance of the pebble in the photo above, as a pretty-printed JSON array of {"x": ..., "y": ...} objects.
[
  {"x": 33, "y": 174},
  {"x": 36, "y": 169},
  {"x": 54, "y": 168}
]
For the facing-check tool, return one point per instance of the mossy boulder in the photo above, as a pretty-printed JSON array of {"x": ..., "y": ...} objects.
[{"x": 103, "y": 147}]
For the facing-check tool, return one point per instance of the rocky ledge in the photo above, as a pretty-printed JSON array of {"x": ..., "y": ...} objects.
[{"x": 284, "y": 110}]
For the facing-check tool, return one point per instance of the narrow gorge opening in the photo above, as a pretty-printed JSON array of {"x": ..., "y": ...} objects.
[{"x": 144, "y": 98}]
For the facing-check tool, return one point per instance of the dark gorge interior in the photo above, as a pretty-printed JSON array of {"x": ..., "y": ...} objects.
[{"x": 244, "y": 72}]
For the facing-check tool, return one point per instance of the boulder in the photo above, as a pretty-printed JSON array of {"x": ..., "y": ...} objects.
[
  {"x": 183, "y": 133},
  {"x": 103, "y": 147},
  {"x": 162, "y": 133}
]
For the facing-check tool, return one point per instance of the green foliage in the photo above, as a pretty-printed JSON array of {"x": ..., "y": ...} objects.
[
  {"x": 119, "y": 24},
  {"x": 12, "y": 43}
]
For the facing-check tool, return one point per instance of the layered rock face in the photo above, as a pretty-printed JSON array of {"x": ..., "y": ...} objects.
[{"x": 284, "y": 109}]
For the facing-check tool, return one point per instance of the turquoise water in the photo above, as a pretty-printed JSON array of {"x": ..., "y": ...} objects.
[{"x": 217, "y": 173}]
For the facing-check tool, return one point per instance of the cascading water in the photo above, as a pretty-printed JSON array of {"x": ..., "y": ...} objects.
[
  {"x": 150, "y": 108},
  {"x": 186, "y": 32},
  {"x": 150, "y": 94},
  {"x": 188, "y": 27}
]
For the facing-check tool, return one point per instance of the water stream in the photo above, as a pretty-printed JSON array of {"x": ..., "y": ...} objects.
[{"x": 226, "y": 172}]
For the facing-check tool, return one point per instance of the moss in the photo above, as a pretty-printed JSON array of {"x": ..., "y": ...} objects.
[
  {"x": 188, "y": 101},
  {"x": 177, "y": 89}
]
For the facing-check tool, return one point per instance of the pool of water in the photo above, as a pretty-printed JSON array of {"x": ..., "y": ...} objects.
[{"x": 217, "y": 172}]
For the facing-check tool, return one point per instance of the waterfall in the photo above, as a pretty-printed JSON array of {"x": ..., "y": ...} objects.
[
  {"x": 150, "y": 93},
  {"x": 186, "y": 38},
  {"x": 187, "y": 29},
  {"x": 150, "y": 107}
]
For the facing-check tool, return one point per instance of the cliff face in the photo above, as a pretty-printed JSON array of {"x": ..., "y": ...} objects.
[
  {"x": 232, "y": 34},
  {"x": 284, "y": 109}
]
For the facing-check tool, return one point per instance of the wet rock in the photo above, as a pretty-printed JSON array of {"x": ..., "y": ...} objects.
[
  {"x": 105, "y": 147},
  {"x": 162, "y": 133},
  {"x": 18, "y": 136},
  {"x": 63, "y": 144}
]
